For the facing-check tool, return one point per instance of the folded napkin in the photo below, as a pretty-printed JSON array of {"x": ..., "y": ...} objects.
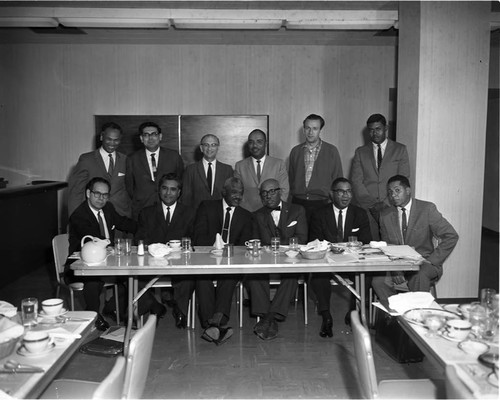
[
  {"x": 159, "y": 249},
  {"x": 61, "y": 333},
  {"x": 219, "y": 243},
  {"x": 316, "y": 245},
  {"x": 9, "y": 329},
  {"x": 377, "y": 245},
  {"x": 402, "y": 251},
  {"x": 406, "y": 301},
  {"x": 7, "y": 309}
]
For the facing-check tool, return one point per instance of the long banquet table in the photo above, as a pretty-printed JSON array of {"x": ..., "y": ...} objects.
[{"x": 201, "y": 261}]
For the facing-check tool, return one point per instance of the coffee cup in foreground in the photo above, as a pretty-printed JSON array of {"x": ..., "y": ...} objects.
[
  {"x": 458, "y": 329},
  {"x": 175, "y": 244},
  {"x": 36, "y": 341},
  {"x": 52, "y": 306},
  {"x": 250, "y": 243}
]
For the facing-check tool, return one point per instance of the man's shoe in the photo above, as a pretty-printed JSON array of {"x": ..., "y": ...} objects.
[
  {"x": 211, "y": 334},
  {"x": 326, "y": 328},
  {"x": 347, "y": 318},
  {"x": 180, "y": 318},
  {"x": 272, "y": 332},
  {"x": 261, "y": 328},
  {"x": 101, "y": 324},
  {"x": 224, "y": 335}
]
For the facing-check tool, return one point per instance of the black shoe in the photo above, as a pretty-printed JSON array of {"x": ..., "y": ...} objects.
[
  {"x": 101, "y": 324},
  {"x": 224, "y": 335},
  {"x": 211, "y": 334},
  {"x": 159, "y": 310},
  {"x": 326, "y": 328},
  {"x": 180, "y": 318},
  {"x": 347, "y": 318}
]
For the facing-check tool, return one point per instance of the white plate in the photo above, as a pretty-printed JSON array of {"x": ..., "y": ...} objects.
[
  {"x": 25, "y": 353},
  {"x": 452, "y": 339},
  {"x": 451, "y": 308},
  {"x": 45, "y": 315},
  {"x": 417, "y": 315}
]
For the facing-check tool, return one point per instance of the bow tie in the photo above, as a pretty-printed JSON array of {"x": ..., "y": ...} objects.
[{"x": 276, "y": 209}]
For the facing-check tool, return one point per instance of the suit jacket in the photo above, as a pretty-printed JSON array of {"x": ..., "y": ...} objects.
[
  {"x": 323, "y": 225},
  {"x": 292, "y": 223},
  {"x": 273, "y": 168},
  {"x": 209, "y": 219},
  {"x": 195, "y": 188},
  {"x": 368, "y": 183},
  {"x": 91, "y": 165},
  {"x": 141, "y": 188},
  {"x": 152, "y": 227},
  {"x": 83, "y": 222},
  {"x": 425, "y": 223}
]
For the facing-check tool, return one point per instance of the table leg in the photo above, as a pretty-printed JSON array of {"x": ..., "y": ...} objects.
[
  {"x": 359, "y": 282},
  {"x": 130, "y": 320}
]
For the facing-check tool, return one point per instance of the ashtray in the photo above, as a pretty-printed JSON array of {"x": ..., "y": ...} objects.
[{"x": 337, "y": 249}]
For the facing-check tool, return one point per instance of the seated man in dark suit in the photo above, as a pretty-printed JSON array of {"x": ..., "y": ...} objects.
[
  {"x": 286, "y": 220},
  {"x": 234, "y": 223},
  {"x": 335, "y": 223},
  {"x": 96, "y": 217},
  {"x": 164, "y": 221},
  {"x": 415, "y": 223}
]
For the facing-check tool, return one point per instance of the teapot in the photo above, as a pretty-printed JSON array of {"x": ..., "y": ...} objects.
[{"x": 94, "y": 251}]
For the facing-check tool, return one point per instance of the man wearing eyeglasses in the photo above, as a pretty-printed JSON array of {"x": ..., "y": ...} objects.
[
  {"x": 145, "y": 167},
  {"x": 204, "y": 179},
  {"x": 105, "y": 162},
  {"x": 97, "y": 217},
  {"x": 335, "y": 223},
  {"x": 275, "y": 218}
]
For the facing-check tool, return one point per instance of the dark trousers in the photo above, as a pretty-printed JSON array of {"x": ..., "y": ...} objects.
[
  {"x": 183, "y": 289},
  {"x": 260, "y": 294},
  {"x": 213, "y": 299}
]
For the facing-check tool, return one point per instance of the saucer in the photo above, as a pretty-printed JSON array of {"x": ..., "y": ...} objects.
[
  {"x": 216, "y": 252},
  {"x": 175, "y": 249},
  {"x": 45, "y": 315},
  {"x": 452, "y": 339},
  {"x": 492, "y": 379},
  {"x": 25, "y": 353}
]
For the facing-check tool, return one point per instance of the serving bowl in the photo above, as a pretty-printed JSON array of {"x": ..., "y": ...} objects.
[
  {"x": 313, "y": 255},
  {"x": 8, "y": 346}
]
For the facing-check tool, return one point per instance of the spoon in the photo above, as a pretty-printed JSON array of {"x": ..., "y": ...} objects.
[{"x": 14, "y": 365}]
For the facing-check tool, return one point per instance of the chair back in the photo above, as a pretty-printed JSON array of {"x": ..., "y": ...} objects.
[
  {"x": 138, "y": 358},
  {"x": 364, "y": 358},
  {"x": 112, "y": 386},
  {"x": 455, "y": 388},
  {"x": 60, "y": 248}
]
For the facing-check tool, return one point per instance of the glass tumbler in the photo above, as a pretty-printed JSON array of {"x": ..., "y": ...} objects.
[
  {"x": 275, "y": 244},
  {"x": 29, "y": 311}
]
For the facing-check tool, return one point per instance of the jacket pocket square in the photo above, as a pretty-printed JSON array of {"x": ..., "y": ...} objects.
[
  {"x": 113, "y": 227},
  {"x": 355, "y": 230},
  {"x": 121, "y": 174},
  {"x": 293, "y": 223}
]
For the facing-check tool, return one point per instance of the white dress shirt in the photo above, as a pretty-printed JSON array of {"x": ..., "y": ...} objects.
[{"x": 157, "y": 159}]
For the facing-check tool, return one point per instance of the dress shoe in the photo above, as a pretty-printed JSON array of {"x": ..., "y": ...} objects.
[
  {"x": 326, "y": 328},
  {"x": 211, "y": 334},
  {"x": 224, "y": 335},
  {"x": 272, "y": 332},
  {"x": 347, "y": 318},
  {"x": 180, "y": 318},
  {"x": 261, "y": 328},
  {"x": 101, "y": 324}
]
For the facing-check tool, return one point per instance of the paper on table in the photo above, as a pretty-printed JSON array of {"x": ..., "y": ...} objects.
[
  {"x": 402, "y": 251},
  {"x": 219, "y": 243},
  {"x": 406, "y": 301},
  {"x": 7, "y": 309},
  {"x": 342, "y": 258}
]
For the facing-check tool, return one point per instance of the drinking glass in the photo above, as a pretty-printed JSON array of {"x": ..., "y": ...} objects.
[
  {"x": 275, "y": 245},
  {"x": 29, "y": 311},
  {"x": 433, "y": 323},
  {"x": 186, "y": 244},
  {"x": 127, "y": 246},
  {"x": 119, "y": 246},
  {"x": 294, "y": 243},
  {"x": 487, "y": 296},
  {"x": 477, "y": 317}
]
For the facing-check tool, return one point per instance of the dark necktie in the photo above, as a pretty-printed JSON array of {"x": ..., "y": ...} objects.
[
  {"x": 111, "y": 165},
  {"x": 225, "y": 230},
  {"x": 258, "y": 170},
  {"x": 153, "y": 164},
  {"x": 167, "y": 218},
  {"x": 404, "y": 223},
  {"x": 209, "y": 177},
  {"x": 102, "y": 231},
  {"x": 379, "y": 157},
  {"x": 340, "y": 229}
]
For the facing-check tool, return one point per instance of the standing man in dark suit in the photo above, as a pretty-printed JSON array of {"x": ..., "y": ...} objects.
[
  {"x": 204, "y": 179},
  {"x": 257, "y": 168},
  {"x": 234, "y": 223},
  {"x": 372, "y": 166},
  {"x": 313, "y": 166},
  {"x": 146, "y": 167},
  {"x": 276, "y": 218},
  {"x": 165, "y": 221},
  {"x": 415, "y": 223},
  {"x": 335, "y": 223},
  {"x": 96, "y": 217},
  {"x": 105, "y": 162}
]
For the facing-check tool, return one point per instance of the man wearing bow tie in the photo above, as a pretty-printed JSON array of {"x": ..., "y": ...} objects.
[
  {"x": 276, "y": 218},
  {"x": 335, "y": 223}
]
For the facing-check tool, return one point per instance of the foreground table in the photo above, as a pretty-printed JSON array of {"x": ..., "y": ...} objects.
[
  {"x": 32, "y": 385},
  {"x": 202, "y": 261},
  {"x": 442, "y": 352}
]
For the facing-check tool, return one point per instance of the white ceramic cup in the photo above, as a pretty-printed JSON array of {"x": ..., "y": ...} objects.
[
  {"x": 175, "y": 244},
  {"x": 52, "y": 306},
  {"x": 36, "y": 341},
  {"x": 458, "y": 328},
  {"x": 249, "y": 243}
]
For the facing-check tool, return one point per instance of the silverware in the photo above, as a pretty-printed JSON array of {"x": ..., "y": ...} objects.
[{"x": 12, "y": 366}]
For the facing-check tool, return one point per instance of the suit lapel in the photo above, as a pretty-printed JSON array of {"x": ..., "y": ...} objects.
[
  {"x": 144, "y": 163},
  {"x": 282, "y": 224},
  {"x": 251, "y": 170},
  {"x": 200, "y": 170},
  {"x": 331, "y": 223},
  {"x": 100, "y": 162},
  {"x": 395, "y": 225},
  {"x": 349, "y": 223},
  {"x": 371, "y": 157},
  {"x": 414, "y": 215},
  {"x": 389, "y": 149}
]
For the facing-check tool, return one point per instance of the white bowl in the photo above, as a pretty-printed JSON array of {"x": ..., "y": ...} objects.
[
  {"x": 474, "y": 347},
  {"x": 292, "y": 253},
  {"x": 52, "y": 306}
]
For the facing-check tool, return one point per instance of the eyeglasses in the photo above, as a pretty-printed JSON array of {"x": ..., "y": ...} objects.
[
  {"x": 212, "y": 145},
  {"x": 341, "y": 192},
  {"x": 100, "y": 195},
  {"x": 270, "y": 192},
  {"x": 151, "y": 134}
]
